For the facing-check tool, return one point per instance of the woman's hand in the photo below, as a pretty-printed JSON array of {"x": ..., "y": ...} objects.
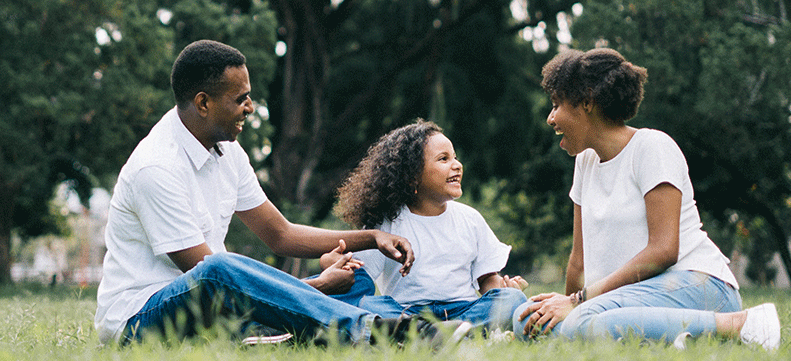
[{"x": 549, "y": 309}]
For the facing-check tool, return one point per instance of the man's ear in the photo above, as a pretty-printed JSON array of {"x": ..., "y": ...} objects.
[{"x": 201, "y": 102}]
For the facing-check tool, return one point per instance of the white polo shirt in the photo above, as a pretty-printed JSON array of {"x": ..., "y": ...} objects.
[{"x": 172, "y": 194}]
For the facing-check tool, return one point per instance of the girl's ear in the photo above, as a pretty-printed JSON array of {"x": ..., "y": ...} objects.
[{"x": 588, "y": 105}]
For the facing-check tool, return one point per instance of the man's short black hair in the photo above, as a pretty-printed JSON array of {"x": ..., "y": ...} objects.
[{"x": 200, "y": 67}]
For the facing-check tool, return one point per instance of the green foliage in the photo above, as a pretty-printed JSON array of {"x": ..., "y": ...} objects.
[{"x": 76, "y": 107}]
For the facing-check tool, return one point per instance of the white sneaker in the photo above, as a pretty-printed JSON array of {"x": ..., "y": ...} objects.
[
  {"x": 762, "y": 326},
  {"x": 680, "y": 342},
  {"x": 267, "y": 340}
]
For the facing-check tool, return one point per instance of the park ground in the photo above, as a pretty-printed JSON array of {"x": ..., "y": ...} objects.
[{"x": 56, "y": 323}]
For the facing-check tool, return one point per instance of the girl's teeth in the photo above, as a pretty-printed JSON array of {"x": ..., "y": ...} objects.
[{"x": 557, "y": 132}]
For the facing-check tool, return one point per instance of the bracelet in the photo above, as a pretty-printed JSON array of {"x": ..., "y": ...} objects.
[{"x": 579, "y": 297}]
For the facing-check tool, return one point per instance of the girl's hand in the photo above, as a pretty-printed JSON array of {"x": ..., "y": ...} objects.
[
  {"x": 549, "y": 309},
  {"x": 516, "y": 282},
  {"x": 329, "y": 258},
  {"x": 339, "y": 277}
]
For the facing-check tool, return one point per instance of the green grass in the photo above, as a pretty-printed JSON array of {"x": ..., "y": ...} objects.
[{"x": 40, "y": 323}]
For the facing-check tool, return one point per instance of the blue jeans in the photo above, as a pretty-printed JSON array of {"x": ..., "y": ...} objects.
[
  {"x": 228, "y": 284},
  {"x": 492, "y": 310},
  {"x": 661, "y": 307}
]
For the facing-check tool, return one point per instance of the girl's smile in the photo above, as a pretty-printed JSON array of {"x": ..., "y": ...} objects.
[{"x": 440, "y": 180}]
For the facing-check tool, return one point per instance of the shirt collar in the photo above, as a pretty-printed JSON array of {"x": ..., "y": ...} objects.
[{"x": 197, "y": 154}]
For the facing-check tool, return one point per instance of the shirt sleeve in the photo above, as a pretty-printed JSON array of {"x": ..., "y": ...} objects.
[
  {"x": 659, "y": 160},
  {"x": 492, "y": 254},
  {"x": 162, "y": 203},
  {"x": 250, "y": 194},
  {"x": 580, "y": 164}
]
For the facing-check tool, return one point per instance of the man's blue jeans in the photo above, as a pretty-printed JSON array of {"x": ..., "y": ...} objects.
[
  {"x": 228, "y": 284},
  {"x": 492, "y": 310},
  {"x": 661, "y": 307}
]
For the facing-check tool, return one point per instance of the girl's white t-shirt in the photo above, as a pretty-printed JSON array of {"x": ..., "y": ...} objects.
[
  {"x": 451, "y": 251},
  {"x": 611, "y": 195}
]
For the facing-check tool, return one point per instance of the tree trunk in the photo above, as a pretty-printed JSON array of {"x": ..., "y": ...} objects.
[{"x": 7, "y": 192}]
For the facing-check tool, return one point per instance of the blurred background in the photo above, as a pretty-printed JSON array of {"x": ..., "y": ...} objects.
[{"x": 84, "y": 80}]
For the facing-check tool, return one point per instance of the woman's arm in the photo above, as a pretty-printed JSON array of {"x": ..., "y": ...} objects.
[
  {"x": 575, "y": 271},
  {"x": 551, "y": 308},
  {"x": 663, "y": 214}
]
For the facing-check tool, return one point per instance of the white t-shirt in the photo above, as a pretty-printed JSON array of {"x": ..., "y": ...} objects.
[
  {"x": 171, "y": 194},
  {"x": 611, "y": 195},
  {"x": 451, "y": 250}
]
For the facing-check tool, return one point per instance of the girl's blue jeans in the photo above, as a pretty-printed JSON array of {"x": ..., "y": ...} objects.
[
  {"x": 492, "y": 310},
  {"x": 228, "y": 284},
  {"x": 659, "y": 308}
]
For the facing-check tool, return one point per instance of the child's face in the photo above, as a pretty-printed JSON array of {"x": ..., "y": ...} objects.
[{"x": 441, "y": 178}]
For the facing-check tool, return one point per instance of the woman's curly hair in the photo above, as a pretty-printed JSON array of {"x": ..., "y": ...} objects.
[
  {"x": 599, "y": 75},
  {"x": 386, "y": 179}
]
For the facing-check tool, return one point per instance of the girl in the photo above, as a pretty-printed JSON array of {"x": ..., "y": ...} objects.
[
  {"x": 640, "y": 261},
  {"x": 406, "y": 185}
]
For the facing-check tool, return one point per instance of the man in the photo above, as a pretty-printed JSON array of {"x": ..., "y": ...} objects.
[{"x": 170, "y": 212}]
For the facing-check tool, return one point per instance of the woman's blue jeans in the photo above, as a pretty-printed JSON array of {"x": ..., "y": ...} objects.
[
  {"x": 661, "y": 307},
  {"x": 228, "y": 284},
  {"x": 492, "y": 310}
]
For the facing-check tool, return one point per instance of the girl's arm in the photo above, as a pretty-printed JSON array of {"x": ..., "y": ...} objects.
[
  {"x": 663, "y": 213},
  {"x": 494, "y": 280}
]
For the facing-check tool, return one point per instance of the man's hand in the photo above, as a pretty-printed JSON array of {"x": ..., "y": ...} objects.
[
  {"x": 549, "y": 309},
  {"x": 397, "y": 248},
  {"x": 338, "y": 277}
]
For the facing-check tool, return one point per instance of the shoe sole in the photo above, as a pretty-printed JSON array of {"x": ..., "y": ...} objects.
[{"x": 267, "y": 340}]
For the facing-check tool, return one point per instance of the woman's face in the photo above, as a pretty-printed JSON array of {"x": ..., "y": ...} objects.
[
  {"x": 572, "y": 123},
  {"x": 440, "y": 180}
]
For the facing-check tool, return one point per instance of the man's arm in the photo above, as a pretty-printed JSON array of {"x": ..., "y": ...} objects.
[
  {"x": 187, "y": 258},
  {"x": 296, "y": 240}
]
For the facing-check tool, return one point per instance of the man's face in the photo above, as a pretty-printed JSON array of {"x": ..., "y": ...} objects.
[{"x": 229, "y": 109}]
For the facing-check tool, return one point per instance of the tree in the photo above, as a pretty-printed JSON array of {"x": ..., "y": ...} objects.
[
  {"x": 46, "y": 65},
  {"x": 81, "y": 91},
  {"x": 718, "y": 84},
  {"x": 356, "y": 70}
]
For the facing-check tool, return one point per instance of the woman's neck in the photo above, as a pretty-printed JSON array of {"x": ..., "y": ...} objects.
[{"x": 611, "y": 140}]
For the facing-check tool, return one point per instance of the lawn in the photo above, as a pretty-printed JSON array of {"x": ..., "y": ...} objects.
[{"x": 41, "y": 323}]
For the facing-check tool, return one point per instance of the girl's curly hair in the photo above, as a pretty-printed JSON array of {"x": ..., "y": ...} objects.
[
  {"x": 599, "y": 75},
  {"x": 386, "y": 179}
]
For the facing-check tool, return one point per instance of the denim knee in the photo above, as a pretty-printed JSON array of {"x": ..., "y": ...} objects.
[{"x": 519, "y": 326}]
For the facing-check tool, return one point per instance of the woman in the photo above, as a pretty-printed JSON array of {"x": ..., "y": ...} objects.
[{"x": 640, "y": 262}]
